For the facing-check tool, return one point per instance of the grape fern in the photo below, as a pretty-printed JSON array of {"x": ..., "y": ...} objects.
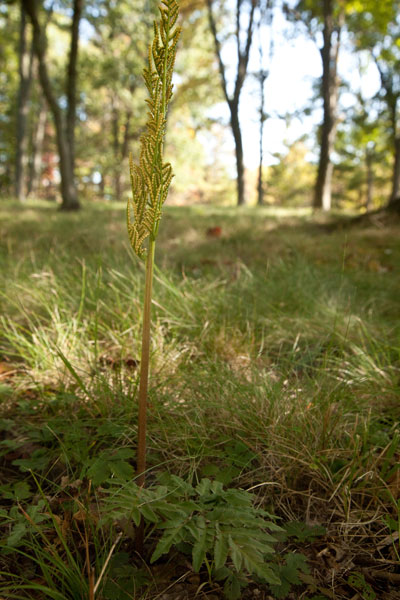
[
  {"x": 150, "y": 183},
  {"x": 151, "y": 178}
]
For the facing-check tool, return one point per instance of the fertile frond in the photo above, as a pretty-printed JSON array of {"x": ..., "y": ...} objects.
[{"x": 150, "y": 179}]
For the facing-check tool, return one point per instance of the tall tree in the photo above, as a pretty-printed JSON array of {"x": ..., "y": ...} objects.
[
  {"x": 64, "y": 121},
  {"x": 265, "y": 19},
  {"x": 326, "y": 17},
  {"x": 25, "y": 59},
  {"x": 376, "y": 27},
  {"x": 389, "y": 68},
  {"x": 36, "y": 148},
  {"x": 362, "y": 168},
  {"x": 243, "y": 53},
  {"x": 9, "y": 85},
  {"x": 330, "y": 93},
  {"x": 117, "y": 50}
]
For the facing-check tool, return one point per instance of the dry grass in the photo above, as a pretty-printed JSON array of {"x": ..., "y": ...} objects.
[{"x": 276, "y": 366}]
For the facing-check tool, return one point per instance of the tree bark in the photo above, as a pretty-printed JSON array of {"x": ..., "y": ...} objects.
[
  {"x": 233, "y": 102},
  {"x": 260, "y": 187},
  {"x": 266, "y": 15},
  {"x": 330, "y": 89},
  {"x": 25, "y": 79},
  {"x": 260, "y": 184},
  {"x": 124, "y": 149},
  {"x": 37, "y": 150},
  {"x": 392, "y": 100},
  {"x": 117, "y": 161},
  {"x": 237, "y": 135},
  {"x": 370, "y": 178},
  {"x": 71, "y": 80},
  {"x": 102, "y": 186},
  {"x": 63, "y": 135},
  {"x": 395, "y": 194},
  {"x": 120, "y": 147}
]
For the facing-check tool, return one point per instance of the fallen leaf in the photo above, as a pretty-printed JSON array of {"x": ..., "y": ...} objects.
[
  {"x": 6, "y": 370},
  {"x": 214, "y": 232}
]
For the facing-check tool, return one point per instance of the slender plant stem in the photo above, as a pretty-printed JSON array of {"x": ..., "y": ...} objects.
[
  {"x": 105, "y": 565},
  {"x": 144, "y": 366},
  {"x": 150, "y": 181}
]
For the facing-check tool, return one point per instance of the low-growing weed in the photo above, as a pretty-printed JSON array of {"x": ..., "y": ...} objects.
[{"x": 221, "y": 529}]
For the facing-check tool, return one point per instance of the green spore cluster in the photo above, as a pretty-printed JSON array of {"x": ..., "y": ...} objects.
[{"x": 151, "y": 178}]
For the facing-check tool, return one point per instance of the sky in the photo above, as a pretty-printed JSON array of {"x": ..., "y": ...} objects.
[{"x": 295, "y": 64}]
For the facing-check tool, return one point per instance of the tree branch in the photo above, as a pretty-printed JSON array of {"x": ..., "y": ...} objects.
[
  {"x": 39, "y": 45},
  {"x": 221, "y": 65},
  {"x": 244, "y": 56}
]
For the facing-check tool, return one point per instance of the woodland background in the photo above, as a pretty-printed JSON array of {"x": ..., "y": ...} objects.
[
  {"x": 72, "y": 100},
  {"x": 275, "y": 349}
]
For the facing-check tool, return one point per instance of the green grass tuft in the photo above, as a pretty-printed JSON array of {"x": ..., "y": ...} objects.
[{"x": 275, "y": 368}]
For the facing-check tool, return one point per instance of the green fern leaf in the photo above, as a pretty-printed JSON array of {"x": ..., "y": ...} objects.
[
  {"x": 170, "y": 537},
  {"x": 221, "y": 549}
]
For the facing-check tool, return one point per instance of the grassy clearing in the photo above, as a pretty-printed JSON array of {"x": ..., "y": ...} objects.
[{"x": 275, "y": 367}]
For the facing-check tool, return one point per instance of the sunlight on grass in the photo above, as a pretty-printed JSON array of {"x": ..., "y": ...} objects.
[{"x": 275, "y": 358}]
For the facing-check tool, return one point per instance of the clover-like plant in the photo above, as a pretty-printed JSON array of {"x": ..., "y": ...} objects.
[{"x": 150, "y": 181}]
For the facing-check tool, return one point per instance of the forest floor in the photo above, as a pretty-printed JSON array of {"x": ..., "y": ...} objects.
[{"x": 275, "y": 369}]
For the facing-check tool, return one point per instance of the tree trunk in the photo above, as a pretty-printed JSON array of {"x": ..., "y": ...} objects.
[
  {"x": 120, "y": 147},
  {"x": 370, "y": 179},
  {"x": 330, "y": 89},
  {"x": 233, "y": 102},
  {"x": 260, "y": 187},
  {"x": 392, "y": 98},
  {"x": 124, "y": 150},
  {"x": 37, "y": 150},
  {"x": 71, "y": 80},
  {"x": 102, "y": 187},
  {"x": 68, "y": 188},
  {"x": 127, "y": 128},
  {"x": 323, "y": 186},
  {"x": 25, "y": 79},
  {"x": 237, "y": 135},
  {"x": 117, "y": 158},
  {"x": 117, "y": 184},
  {"x": 267, "y": 16},
  {"x": 395, "y": 194}
]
